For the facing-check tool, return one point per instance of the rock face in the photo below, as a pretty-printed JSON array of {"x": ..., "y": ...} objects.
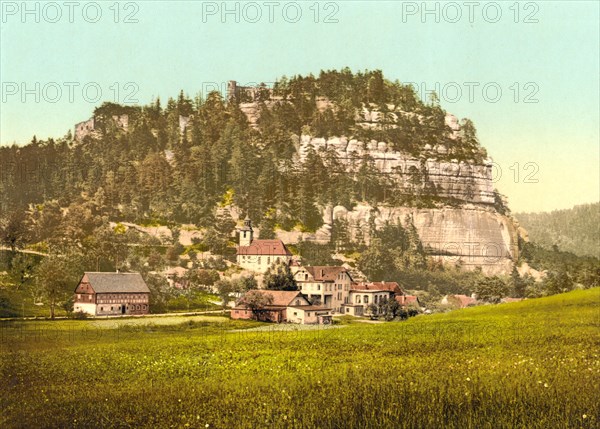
[
  {"x": 470, "y": 237},
  {"x": 460, "y": 180}
]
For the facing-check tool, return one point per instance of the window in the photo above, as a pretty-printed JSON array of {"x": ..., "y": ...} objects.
[
  {"x": 347, "y": 310},
  {"x": 318, "y": 287},
  {"x": 366, "y": 299},
  {"x": 295, "y": 314},
  {"x": 308, "y": 313},
  {"x": 259, "y": 259},
  {"x": 268, "y": 260},
  {"x": 305, "y": 277},
  {"x": 357, "y": 299}
]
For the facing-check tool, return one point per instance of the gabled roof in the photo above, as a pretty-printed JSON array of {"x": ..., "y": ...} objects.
[
  {"x": 281, "y": 298},
  {"x": 116, "y": 282},
  {"x": 322, "y": 273},
  {"x": 264, "y": 247},
  {"x": 378, "y": 286},
  {"x": 407, "y": 299},
  {"x": 462, "y": 300}
]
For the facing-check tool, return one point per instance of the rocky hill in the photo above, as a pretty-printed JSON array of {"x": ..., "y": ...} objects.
[{"x": 352, "y": 147}]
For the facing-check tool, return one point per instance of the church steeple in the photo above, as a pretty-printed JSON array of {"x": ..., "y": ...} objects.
[{"x": 246, "y": 233}]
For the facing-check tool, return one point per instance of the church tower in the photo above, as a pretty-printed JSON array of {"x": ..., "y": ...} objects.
[{"x": 246, "y": 233}]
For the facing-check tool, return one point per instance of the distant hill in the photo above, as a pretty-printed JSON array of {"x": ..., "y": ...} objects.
[{"x": 575, "y": 230}]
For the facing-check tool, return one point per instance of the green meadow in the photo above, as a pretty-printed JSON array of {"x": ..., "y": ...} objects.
[{"x": 532, "y": 364}]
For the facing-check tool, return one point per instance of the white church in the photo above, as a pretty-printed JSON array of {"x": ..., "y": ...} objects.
[{"x": 259, "y": 255}]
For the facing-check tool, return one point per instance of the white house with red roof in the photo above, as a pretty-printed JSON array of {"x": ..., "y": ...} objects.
[
  {"x": 366, "y": 293},
  {"x": 259, "y": 255},
  {"x": 328, "y": 285}
]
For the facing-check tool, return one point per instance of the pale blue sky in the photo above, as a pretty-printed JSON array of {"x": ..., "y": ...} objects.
[{"x": 171, "y": 48}]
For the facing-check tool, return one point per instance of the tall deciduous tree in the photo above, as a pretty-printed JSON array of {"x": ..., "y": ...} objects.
[
  {"x": 279, "y": 277},
  {"x": 56, "y": 277}
]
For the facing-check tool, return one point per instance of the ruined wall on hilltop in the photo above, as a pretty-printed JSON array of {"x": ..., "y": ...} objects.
[{"x": 97, "y": 125}]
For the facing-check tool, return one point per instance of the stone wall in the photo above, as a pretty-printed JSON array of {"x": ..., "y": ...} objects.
[
  {"x": 96, "y": 125},
  {"x": 84, "y": 128}
]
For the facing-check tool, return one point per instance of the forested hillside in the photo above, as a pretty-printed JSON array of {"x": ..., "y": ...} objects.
[
  {"x": 155, "y": 169},
  {"x": 575, "y": 230},
  {"x": 196, "y": 166}
]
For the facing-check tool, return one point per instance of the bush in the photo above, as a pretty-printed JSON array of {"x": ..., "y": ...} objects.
[{"x": 80, "y": 315}]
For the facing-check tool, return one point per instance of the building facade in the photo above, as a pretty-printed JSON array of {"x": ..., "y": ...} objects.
[
  {"x": 330, "y": 286},
  {"x": 259, "y": 255},
  {"x": 286, "y": 306},
  {"x": 112, "y": 294},
  {"x": 363, "y": 294}
]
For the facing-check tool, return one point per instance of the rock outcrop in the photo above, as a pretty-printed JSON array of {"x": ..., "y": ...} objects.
[
  {"x": 459, "y": 180},
  {"x": 469, "y": 236}
]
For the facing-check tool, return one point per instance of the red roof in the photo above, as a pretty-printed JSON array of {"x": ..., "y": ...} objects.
[
  {"x": 407, "y": 299},
  {"x": 463, "y": 300},
  {"x": 389, "y": 286},
  {"x": 264, "y": 247},
  {"x": 325, "y": 273},
  {"x": 281, "y": 298}
]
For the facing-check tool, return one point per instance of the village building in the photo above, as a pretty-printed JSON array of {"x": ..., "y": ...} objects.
[
  {"x": 259, "y": 255},
  {"x": 363, "y": 294},
  {"x": 327, "y": 285},
  {"x": 286, "y": 306},
  {"x": 112, "y": 294},
  {"x": 459, "y": 301},
  {"x": 176, "y": 277}
]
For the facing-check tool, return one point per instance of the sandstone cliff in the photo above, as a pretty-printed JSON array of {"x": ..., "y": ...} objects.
[
  {"x": 464, "y": 181},
  {"x": 471, "y": 236}
]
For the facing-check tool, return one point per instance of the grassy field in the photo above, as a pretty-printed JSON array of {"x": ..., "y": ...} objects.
[
  {"x": 19, "y": 303},
  {"x": 532, "y": 364}
]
